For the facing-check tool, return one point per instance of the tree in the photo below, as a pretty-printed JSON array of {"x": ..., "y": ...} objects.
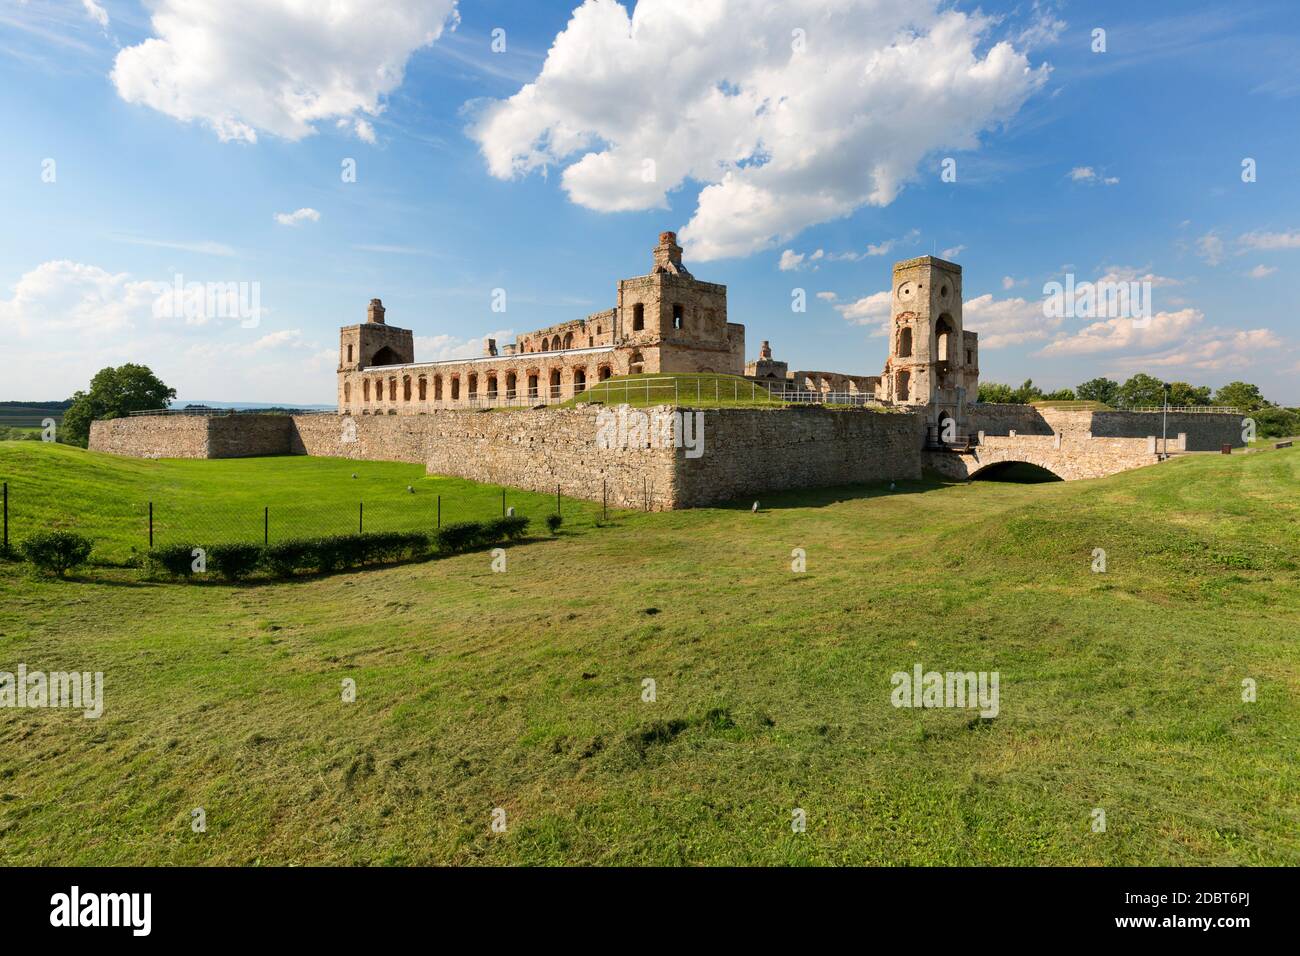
[
  {"x": 996, "y": 393},
  {"x": 1141, "y": 389},
  {"x": 1027, "y": 392},
  {"x": 1241, "y": 395},
  {"x": 113, "y": 393},
  {"x": 1099, "y": 390},
  {"x": 1181, "y": 393},
  {"x": 1060, "y": 395}
]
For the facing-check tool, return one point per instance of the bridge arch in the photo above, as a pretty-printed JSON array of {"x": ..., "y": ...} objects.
[{"x": 1021, "y": 471}]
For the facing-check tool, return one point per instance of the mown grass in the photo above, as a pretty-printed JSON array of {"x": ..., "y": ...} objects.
[
  {"x": 706, "y": 390},
  {"x": 108, "y": 497},
  {"x": 523, "y": 690}
]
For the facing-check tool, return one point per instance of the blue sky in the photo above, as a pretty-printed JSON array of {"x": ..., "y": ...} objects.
[{"x": 177, "y": 140}]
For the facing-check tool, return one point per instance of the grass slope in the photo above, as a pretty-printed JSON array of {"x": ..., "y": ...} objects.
[
  {"x": 107, "y": 497},
  {"x": 522, "y": 690},
  {"x": 706, "y": 390}
]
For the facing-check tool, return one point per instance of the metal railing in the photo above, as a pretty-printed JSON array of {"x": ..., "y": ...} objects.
[
  {"x": 207, "y": 412},
  {"x": 1183, "y": 409}
]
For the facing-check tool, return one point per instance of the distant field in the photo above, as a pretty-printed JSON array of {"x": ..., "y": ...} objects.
[
  {"x": 108, "y": 497},
  {"x": 1119, "y": 691},
  {"x": 28, "y": 416}
]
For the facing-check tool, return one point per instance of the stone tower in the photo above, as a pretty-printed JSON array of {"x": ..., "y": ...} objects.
[
  {"x": 931, "y": 359},
  {"x": 372, "y": 343},
  {"x": 674, "y": 322}
]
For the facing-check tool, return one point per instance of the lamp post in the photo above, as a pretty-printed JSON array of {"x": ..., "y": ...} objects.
[{"x": 1164, "y": 426}]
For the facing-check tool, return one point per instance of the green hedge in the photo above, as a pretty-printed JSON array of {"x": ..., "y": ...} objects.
[
  {"x": 283, "y": 559},
  {"x": 56, "y": 551}
]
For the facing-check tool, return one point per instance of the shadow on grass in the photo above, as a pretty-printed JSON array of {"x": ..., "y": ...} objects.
[{"x": 824, "y": 497}]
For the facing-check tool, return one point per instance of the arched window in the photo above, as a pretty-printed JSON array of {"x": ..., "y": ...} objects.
[
  {"x": 424, "y": 389},
  {"x": 437, "y": 388},
  {"x": 349, "y": 354},
  {"x": 473, "y": 386},
  {"x": 532, "y": 384},
  {"x": 392, "y": 389},
  {"x": 901, "y": 391},
  {"x": 579, "y": 380},
  {"x": 511, "y": 383},
  {"x": 568, "y": 340},
  {"x": 638, "y": 317},
  {"x": 555, "y": 383},
  {"x": 347, "y": 392},
  {"x": 603, "y": 373},
  {"x": 365, "y": 389},
  {"x": 679, "y": 316},
  {"x": 635, "y": 364},
  {"x": 492, "y": 388},
  {"x": 905, "y": 341},
  {"x": 590, "y": 341},
  {"x": 455, "y": 388},
  {"x": 942, "y": 336},
  {"x": 406, "y": 388},
  {"x": 385, "y": 356}
]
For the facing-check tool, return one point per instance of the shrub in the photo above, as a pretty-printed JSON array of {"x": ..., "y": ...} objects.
[
  {"x": 57, "y": 551},
  {"x": 174, "y": 559},
  {"x": 553, "y": 522},
  {"x": 459, "y": 535},
  {"x": 234, "y": 561},
  {"x": 510, "y": 528},
  {"x": 285, "y": 557}
]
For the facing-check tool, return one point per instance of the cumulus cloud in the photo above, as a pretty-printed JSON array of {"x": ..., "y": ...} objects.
[
  {"x": 790, "y": 114},
  {"x": 1004, "y": 322},
  {"x": 61, "y": 298},
  {"x": 276, "y": 66},
  {"x": 306, "y": 214},
  {"x": 1261, "y": 272},
  {"x": 869, "y": 310},
  {"x": 1127, "y": 334},
  {"x": 1218, "y": 349},
  {"x": 1210, "y": 248},
  {"x": 1086, "y": 174},
  {"x": 790, "y": 260}
]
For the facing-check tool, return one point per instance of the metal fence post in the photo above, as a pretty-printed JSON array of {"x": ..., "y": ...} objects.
[
  {"x": 440, "y": 511},
  {"x": 6, "y": 539},
  {"x": 361, "y": 517},
  {"x": 266, "y": 525},
  {"x": 503, "y": 502},
  {"x": 151, "y": 524},
  {"x": 557, "y": 499}
]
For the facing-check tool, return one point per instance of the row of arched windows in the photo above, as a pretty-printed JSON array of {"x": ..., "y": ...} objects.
[{"x": 495, "y": 387}]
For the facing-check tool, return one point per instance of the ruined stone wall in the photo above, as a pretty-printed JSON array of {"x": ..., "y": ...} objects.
[
  {"x": 1204, "y": 431},
  {"x": 249, "y": 436},
  {"x": 153, "y": 436},
  {"x": 752, "y": 450}
]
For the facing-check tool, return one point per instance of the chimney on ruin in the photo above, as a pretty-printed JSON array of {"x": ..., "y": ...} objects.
[
  {"x": 668, "y": 256},
  {"x": 489, "y": 346},
  {"x": 376, "y": 312},
  {"x": 765, "y": 353}
]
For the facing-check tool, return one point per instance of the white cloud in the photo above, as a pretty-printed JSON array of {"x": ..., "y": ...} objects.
[
  {"x": 306, "y": 214},
  {"x": 1210, "y": 248},
  {"x": 827, "y": 296},
  {"x": 96, "y": 12},
  {"x": 952, "y": 253},
  {"x": 1137, "y": 274},
  {"x": 1159, "y": 331},
  {"x": 276, "y": 66},
  {"x": 1008, "y": 282},
  {"x": 440, "y": 348},
  {"x": 869, "y": 310},
  {"x": 1004, "y": 322},
  {"x": 782, "y": 138},
  {"x": 790, "y": 260},
  {"x": 1086, "y": 174},
  {"x": 1261, "y": 272},
  {"x": 1215, "y": 350},
  {"x": 61, "y": 298},
  {"x": 1268, "y": 241}
]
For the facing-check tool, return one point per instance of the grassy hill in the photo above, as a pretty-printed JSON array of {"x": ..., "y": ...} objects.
[{"x": 523, "y": 690}]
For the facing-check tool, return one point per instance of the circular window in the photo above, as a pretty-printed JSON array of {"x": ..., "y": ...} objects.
[
  {"x": 943, "y": 292},
  {"x": 906, "y": 290}
]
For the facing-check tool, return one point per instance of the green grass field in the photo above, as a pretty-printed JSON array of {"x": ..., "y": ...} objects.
[
  {"x": 704, "y": 390},
  {"x": 477, "y": 690},
  {"x": 107, "y": 497}
]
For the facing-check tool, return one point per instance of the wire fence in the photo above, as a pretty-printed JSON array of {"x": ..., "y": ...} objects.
[{"x": 122, "y": 528}]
